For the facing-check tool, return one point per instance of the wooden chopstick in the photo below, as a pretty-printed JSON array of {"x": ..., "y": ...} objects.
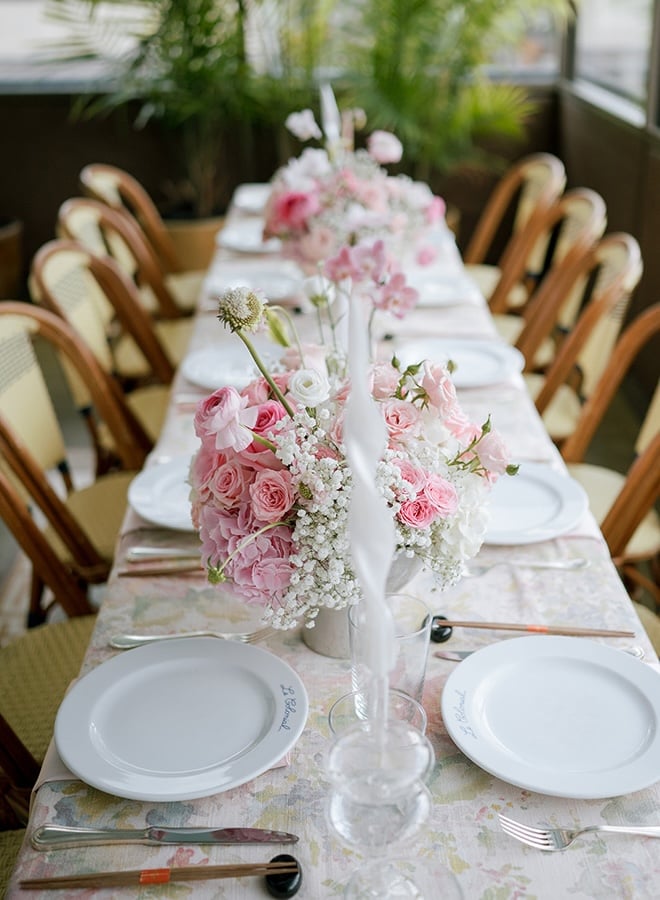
[
  {"x": 159, "y": 876},
  {"x": 536, "y": 629}
]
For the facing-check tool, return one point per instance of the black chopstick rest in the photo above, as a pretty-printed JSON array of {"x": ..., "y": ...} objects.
[
  {"x": 439, "y": 632},
  {"x": 284, "y": 885}
]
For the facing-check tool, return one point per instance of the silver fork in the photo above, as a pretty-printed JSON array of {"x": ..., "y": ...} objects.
[
  {"x": 560, "y": 838},
  {"x": 473, "y": 570},
  {"x": 128, "y": 641}
]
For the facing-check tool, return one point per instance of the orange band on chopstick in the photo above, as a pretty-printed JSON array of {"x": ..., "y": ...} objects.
[
  {"x": 154, "y": 876},
  {"x": 540, "y": 628}
]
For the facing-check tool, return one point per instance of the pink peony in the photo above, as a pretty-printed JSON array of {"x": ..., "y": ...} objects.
[
  {"x": 272, "y": 495},
  {"x": 260, "y": 567}
]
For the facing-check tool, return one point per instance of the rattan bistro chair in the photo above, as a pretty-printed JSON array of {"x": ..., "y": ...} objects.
[
  {"x": 35, "y": 671},
  {"x": 82, "y": 521},
  {"x": 622, "y": 505},
  {"x": 583, "y": 357},
  {"x": 576, "y": 220},
  {"x": 608, "y": 270},
  {"x": 94, "y": 296},
  {"x": 103, "y": 229},
  {"x": 530, "y": 186},
  {"x": 120, "y": 190}
]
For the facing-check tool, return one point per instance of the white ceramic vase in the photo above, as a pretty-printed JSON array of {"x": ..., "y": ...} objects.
[{"x": 329, "y": 636}]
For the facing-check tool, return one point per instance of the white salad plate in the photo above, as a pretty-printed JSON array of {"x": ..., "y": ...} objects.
[
  {"x": 562, "y": 716},
  {"x": 226, "y": 365},
  {"x": 537, "y": 504},
  {"x": 251, "y": 197},
  {"x": 181, "y": 719},
  {"x": 477, "y": 363},
  {"x": 277, "y": 282},
  {"x": 160, "y": 494},
  {"x": 247, "y": 237}
]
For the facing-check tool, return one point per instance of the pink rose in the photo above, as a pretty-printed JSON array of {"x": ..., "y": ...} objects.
[
  {"x": 313, "y": 357},
  {"x": 268, "y": 415},
  {"x": 316, "y": 245},
  {"x": 436, "y": 210},
  {"x": 426, "y": 255},
  {"x": 441, "y": 494},
  {"x": 384, "y": 147},
  {"x": 411, "y": 474},
  {"x": 437, "y": 383},
  {"x": 384, "y": 380},
  {"x": 493, "y": 454},
  {"x": 229, "y": 483},
  {"x": 204, "y": 464},
  {"x": 403, "y": 420},
  {"x": 418, "y": 513},
  {"x": 259, "y": 391},
  {"x": 291, "y": 211},
  {"x": 272, "y": 495},
  {"x": 225, "y": 416}
]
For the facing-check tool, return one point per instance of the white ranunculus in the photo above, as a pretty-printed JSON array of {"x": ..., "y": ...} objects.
[
  {"x": 303, "y": 125},
  {"x": 309, "y": 387}
]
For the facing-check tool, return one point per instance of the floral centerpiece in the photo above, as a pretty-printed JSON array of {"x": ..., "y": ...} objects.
[
  {"x": 333, "y": 196},
  {"x": 271, "y": 483}
]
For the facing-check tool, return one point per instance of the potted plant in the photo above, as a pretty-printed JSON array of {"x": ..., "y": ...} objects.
[
  {"x": 184, "y": 66},
  {"x": 416, "y": 69}
]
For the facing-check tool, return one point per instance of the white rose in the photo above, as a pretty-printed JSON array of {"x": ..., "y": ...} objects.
[{"x": 309, "y": 387}]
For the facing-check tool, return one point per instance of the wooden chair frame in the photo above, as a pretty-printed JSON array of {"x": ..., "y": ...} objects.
[
  {"x": 121, "y": 294},
  {"x": 119, "y": 223},
  {"x": 131, "y": 445},
  {"x": 542, "y": 312},
  {"x": 502, "y": 197},
  {"x": 544, "y": 222},
  {"x": 138, "y": 203}
]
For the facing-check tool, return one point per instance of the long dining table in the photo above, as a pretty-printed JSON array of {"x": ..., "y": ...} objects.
[{"x": 463, "y": 833}]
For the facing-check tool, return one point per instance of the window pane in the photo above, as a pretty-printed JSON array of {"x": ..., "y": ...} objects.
[{"x": 613, "y": 42}]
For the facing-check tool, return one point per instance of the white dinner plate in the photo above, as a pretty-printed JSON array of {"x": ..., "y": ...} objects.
[
  {"x": 180, "y": 719},
  {"x": 160, "y": 494},
  {"x": 562, "y": 716},
  {"x": 478, "y": 363},
  {"x": 277, "y": 282},
  {"x": 251, "y": 197},
  {"x": 443, "y": 290},
  {"x": 227, "y": 364},
  {"x": 247, "y": 237},
  {"x": 537, "y": 504}
]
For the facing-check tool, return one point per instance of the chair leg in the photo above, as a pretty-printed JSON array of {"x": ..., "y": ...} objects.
[{"x": 36, "y": 612}]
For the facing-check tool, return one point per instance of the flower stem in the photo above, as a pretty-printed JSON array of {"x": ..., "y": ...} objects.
[{"x": 264, "y": 371}]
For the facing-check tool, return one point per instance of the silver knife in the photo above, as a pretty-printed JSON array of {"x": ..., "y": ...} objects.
[
  {"x": 51, "y": 837},
  {"x": 455, "y": 655}
]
